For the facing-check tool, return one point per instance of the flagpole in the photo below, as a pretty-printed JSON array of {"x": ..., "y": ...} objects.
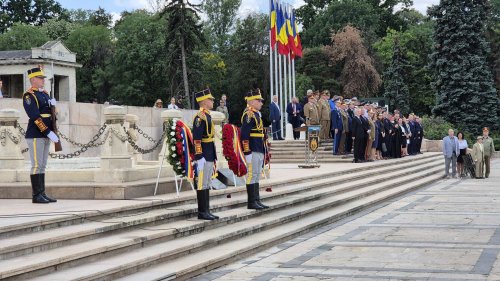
[
  {"x": 293, "y": 75},
  {"x": 280, "y": 81},
  {"x": 270, "y": 56},
  {"x": 285, "y": 80}
]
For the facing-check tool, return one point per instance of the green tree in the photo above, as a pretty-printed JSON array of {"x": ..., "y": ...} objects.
[
  {"x": 90, "y": 17},
  {"x": 316, "y": 67},
  {"x": 138, "y": 68},
  {"x": 416, "y": 45},
  {"x": 33, "y": 12},
  {"x": 59, "y": 29},
  {"x": 184, "y": 33},
  {"x": 396, "y": 90},
  {"x": 22, "y": 37},
  {"x": 221, "y": 15},
  {"x": 463, "y": 82},
  {"x": 247, "y": 63},
  {"x": 93, "y": 47}
]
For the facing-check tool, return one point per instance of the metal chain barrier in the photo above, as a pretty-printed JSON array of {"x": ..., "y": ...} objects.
[
  {"x": 94, "y": 138},
  {"x": 142, "y": 150},
  {"x": 8, "y": 133},
  {"x": 141, "y": 132}
]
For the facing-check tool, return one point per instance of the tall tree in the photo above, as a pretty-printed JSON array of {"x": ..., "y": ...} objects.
[
  {"x": 359, "y": 76},
  {"x": 22, "y": 37},
  {"x": 463, "y": 82},
  {"x": 185, "y": 34},
  {"x": 221, "y": 17},
  {"x": 316, "y": 66},
  {"x": 34, "y": 12},
  {"x": 395, "y": 88},
  {"x": 138, "y": 68}
]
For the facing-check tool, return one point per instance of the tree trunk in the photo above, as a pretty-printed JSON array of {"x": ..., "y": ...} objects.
[{"x": 184, "y": 74}]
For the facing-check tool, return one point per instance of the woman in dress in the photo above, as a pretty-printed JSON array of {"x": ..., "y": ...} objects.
[{"x": 462, "y": 145}]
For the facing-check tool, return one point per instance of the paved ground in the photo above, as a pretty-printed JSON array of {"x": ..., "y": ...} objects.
[{"x": 447, "y": 231}]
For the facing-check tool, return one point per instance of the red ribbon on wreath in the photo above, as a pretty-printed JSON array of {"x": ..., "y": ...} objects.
[{"x": 231, "y": 148}]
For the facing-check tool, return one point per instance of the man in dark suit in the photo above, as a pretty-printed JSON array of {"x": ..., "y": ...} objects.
[
  {"x": 337, "y": 126},
  {"x": 412, "y": 150},
  {"x": 366, "y": 129},
  {"x": 350, "y": 115},
  {"x": 389, "y": 134},
  {"x": 275, "y": 116},
  {"x": 294, "y": 110},
  {"x": 358, "y": 136},
  {"x": 420, "y": 135}
]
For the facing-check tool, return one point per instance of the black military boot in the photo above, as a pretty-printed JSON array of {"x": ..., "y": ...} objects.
[
  {"x": 36, "y": 190},
  {"x": 257, "y": 196},
  {"x": 42, "y": 185},
  {"x": 207, "y": 203},
  {"x": 252, "y": 204},
  {"x": 202, "y": 211}
]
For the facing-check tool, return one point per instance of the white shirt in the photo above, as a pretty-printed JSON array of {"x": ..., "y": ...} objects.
[
  {"x": 462, "y": 144},
  {"x": 173, "y": 106}
]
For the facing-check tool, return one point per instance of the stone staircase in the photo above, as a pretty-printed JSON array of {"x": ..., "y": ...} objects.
[
  {"x": 162, "y": 240},
  {"x": 293, "y": 151}
]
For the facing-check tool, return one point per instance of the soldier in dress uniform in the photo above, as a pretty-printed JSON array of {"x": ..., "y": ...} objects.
[
  {"x": 252, "y": 139},
  {"x": 325, "y": 118},
  {"x": 345, "y": 128},
  {"x": 205, "y": 156},
  {"x": 40, "y": 132},
  {"x": 311, "y": 111}
]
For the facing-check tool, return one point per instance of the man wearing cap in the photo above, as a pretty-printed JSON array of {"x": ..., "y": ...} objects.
[
  {"x": 204, "y": 152},
  {"x": 325, "y": 115},
  {"x": 478, "y": 157},
  {"x": 489, "y": 149},
  {"x": 40, "y": 132},
  {"x": 350, "y": 115},
  {"x": 337, "y": 126},
  {"x": 311, "y": 111},
  {"x": 252, "y": 139},
  {"x": 345, "y": 128}
]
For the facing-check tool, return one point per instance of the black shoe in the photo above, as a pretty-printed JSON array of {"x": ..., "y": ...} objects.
[
  {"x": 42, "y": 184},
  {"x": 36, "y": 190},
  {"x": 257, "y": 196},
  {"x": 202, "y": 212},
  {"x": 252, "y": 204},
  {"x": 207, "y": 203}
]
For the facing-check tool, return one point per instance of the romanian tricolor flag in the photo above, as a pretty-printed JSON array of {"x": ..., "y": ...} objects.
[
  {"x": 296, "y": 37},
  {"x": 290, "y": 34},
  {"x": 282, "y": 37},
  {"x": 272, "y": 25}
]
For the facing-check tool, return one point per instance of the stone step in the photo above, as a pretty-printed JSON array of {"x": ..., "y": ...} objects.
[
  {"x": 63, "y": 219},
  {"x": 189, "y": 266},
  {"x": 118, "y": 245},
  {"x": 287, "y": 222},
  {"x": 45, "y": 240}
]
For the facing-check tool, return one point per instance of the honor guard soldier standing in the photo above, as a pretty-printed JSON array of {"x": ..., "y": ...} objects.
[
  {"x": 39, "y": 133},
  {"x": 252, "y": 138},
  {"x": 204, "y": 147}
]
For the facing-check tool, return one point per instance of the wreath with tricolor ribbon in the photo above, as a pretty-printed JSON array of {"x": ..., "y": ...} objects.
[
  {"x": 180, "y": 143},
  {"x": 232, "y": 151}
]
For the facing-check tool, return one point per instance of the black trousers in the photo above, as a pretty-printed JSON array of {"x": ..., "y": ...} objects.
[
  {"x": 348, "y": 142},
  {"x": 359, "y": 148}
]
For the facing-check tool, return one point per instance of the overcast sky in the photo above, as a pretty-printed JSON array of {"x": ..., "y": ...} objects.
[{"x": 247, "y": 6}]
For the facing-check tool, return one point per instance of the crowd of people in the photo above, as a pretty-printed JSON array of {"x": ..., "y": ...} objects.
[{"x": 365, "y": 129}]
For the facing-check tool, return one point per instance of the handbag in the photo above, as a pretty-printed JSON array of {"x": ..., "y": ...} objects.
[{"x": 384, "y": 147}]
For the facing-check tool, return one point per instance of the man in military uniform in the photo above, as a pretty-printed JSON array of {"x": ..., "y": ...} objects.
[
  {"x": 489, "y": 150},
  {"x": 345, "y": 128},
  {"x": 40, "y": 132},
  {"x": 311, "y": 111},
  {"x": 204, "y": 147},
  {"x": 325, "y": 118},
  {"x": 252, "y": 139}
]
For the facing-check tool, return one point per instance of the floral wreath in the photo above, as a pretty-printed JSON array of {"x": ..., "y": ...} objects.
[
  {"x": 267, "y": 149},
  {"x": 231, "y": 148},
  {"x": 180, "y": 143}
]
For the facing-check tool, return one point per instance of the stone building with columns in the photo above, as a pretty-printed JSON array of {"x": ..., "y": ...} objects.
[{"x": 59, "y": 65}]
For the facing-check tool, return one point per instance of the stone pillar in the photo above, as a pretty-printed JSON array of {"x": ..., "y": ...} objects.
[
  {"x": 289, "y": 132},
  {"x": 217, "y": 118},
  {"x": 114, "y": 152},
  {"x": 132, "y": 122},
  {"x": 302, "y": 134},
  {"x": 10, "y": 138},
  {"x": 167, "y": 115}
]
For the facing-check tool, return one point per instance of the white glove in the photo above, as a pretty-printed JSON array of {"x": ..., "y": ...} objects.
[
  {"x": 248, "y": 158},
  {"x": 53, "y": 137},
  {"x": 53, "y": 102},
  {"x": 200, "y": 164}
]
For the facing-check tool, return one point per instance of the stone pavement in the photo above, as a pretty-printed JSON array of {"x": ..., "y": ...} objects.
[{"x": 447, "y": 231}]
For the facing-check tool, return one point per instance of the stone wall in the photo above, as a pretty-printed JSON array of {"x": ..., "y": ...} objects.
[{"x": 81, "y": 121}]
